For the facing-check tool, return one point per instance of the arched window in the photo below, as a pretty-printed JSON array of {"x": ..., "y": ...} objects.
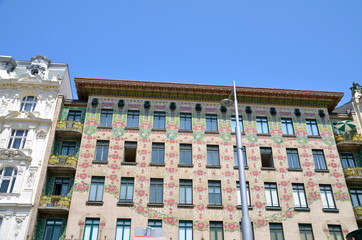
[
  {"x": 7, "y": 179},
  {"x": 28, "y": 103}
]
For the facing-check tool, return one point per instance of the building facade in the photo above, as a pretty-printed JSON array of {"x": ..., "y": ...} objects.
[
  {"x": 30, "y": 94},
  {"x": 162, "y": 155}
]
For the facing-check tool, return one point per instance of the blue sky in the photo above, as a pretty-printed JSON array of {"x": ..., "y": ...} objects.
[{"x": 295, "y": 44}]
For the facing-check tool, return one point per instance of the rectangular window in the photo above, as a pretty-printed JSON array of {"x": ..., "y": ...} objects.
[
  {"x": 236, "y": 161},
  {"x": 356, "y": 196},
  {"x": 216, "y": 231},
  {"x": 158, "y": 153},
  {"x": 238, "y": 197},
  {"x": 300, "y": 200},
  {"x": 130, "y": 151},
  {"x": 106, "y": 117},
  {"x": 185, "y": 154},
  {"x": 233, "y": 123},
  {"x": 91, "y": 229},
  {"x": 211, "y": 122},
  {"x": 96, "y": 190},
  {"x": 154, "y": 223},
  {"x": 213, "y": 155},
  {"x": 68, "y": 148},
  {"x": 102, "y": 150},
  {"x": 127, "y": 187},
  {"x": 185, "y": 121},
  {"x": 214, "y": 192},
  {"x": 74, "y": 115},
  {"x": 287, "y": 126},
  {"x": 132, "y": 119},
  {"x": 306, "y": 232},
  {"x": 53, "y": 229},
  {"x": 276, "y": 231},
  {"x": 319, "y": 161},
  {"x": 271, "y": 194},
  {"x": 159, "y": 120},
  {"x": 327, "y": 196},
  {"x": 123, "y": 231},
  {"x": 262, "y": 124},
  {"x": 347, "y": 161},
  {"x": 61, "y": 186},
  {"x": 18, "y": 139},
  {"x": 266, "y": 157},
  {"x": 185, "y": 191},
  {"x": 293, "y": 158},
  {"x": 185, "y": 230},
  {"x": 312, "y": 127},
  {"x": 156, "y": 190},
  {"x": 335, "y": 232}
]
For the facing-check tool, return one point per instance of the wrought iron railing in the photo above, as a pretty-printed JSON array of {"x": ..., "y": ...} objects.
[
  {"x": 350, "y": 172},
  {"x": 348, "y": 137},
  {"x": 65, "y": 160},
  {"x": 70, "y": 125},
  {"x": 55, "y": 201},
  {"x": 357, "y": 211}
]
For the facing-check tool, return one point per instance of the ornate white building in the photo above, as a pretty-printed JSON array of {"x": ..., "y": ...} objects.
[{"x": 30, "y": 97}]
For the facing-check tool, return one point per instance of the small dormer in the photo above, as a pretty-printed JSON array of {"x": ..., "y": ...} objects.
[{"x": 38, "y": 66}]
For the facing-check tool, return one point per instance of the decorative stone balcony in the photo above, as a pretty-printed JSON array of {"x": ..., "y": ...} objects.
[
  {"x": 71, "y": 129},
  {"x": 54, "y": 203},
  {"x": 63, "y": 163},
  {"x": 358, "y": 212},
  {"x": 349, "y": 141},
  {"x": 353, "y": 174}
]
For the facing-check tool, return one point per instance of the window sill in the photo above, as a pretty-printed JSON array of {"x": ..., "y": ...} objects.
[
  {"x": 321, "y": 170},
  {"x": 313, "y": 136},
  {"x": 264, "y": 134},
  {"x": 185, "y": 131},
  {"x": 157, "y": 164},
  {"x": 268, "y": 168},
  {"x": 104, "y": 127},
  {"x": 212, "y": 206},
  {"x": 330, "y": 210},
  {"x": 289, "y": 135},
  {"x": 273, "y": 208},
  {"x": 132, "y": 128},
  {"x": 213, "y": 166},
  {"x": 158, "y": 130},
  {"x": 94, "y": 203},
  {"x": 302, "y": 209},
  {"x": 182, "y": 205},
  {"x": 211, "y": 132},
  {"x": 242, "y": 133},
  {"x": 185, "y": 165},
  {"x": 100, "y": 162},
  {"x": 125, "y": 204},
  {"x": 295, "y": 169},
  {"x": 249, "y": 207},
  {"x": 237, "y": 167},
  {"x": 158, "y": 205},
  {"x": 129, "y": 163}
]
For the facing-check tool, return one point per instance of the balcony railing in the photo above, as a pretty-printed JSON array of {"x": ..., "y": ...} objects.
[
  {"x": 70, "y": 125},
  {"x": 358, "y": 211},
  {"x": 64, "y": 160},
  {"x": 56, "y": 201},
  {"x": 353, "y": 173},
  {"x": 348, "y": 137}
]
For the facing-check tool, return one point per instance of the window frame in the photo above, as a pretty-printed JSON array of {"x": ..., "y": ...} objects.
[
  {"x": 262, "y": 125},
  {"x": 102, "y": 151},
  {"x": 293, "y": 158},
  {"x": 326, "y": 192},
  {"x": 94, "y": 224},
  {"x": 211, "y": 122},
  {"x": 233, "y": 123},
  {"x": 62, "y": 182},
  {"x": 130, "y": 146},
  {"x": 185, "y": 154},
  {"x": 156, "y": 191},
  {"x": 185, "y": 226},
  {"x": 133, "y": 119},
  {"x": 106, "y": 117},
  {"x": 275, "y": 229},
  {"x": 127, "y": 185},
  {"x": 70, "y": 147},
  {"x": 215, "y": 228},
  {"x": 98, "y": 183},
  {"x": 319, "y": 159},
  {"x": 14, "y": 138},
  {"x": 158, "y": 153},
  {"x": 186, "y": 121},
  {"x": 75, "y": 114},
  {"x": 154, "y": 223},
  {"x": 300, "y": 199},
  {"x": 271, "y": 192},
  {"x": 123, "y": 224},
  {"x": 357, "y": 193},
  {"x": 11, "y": 179},
  {"x": 312, "y": 127},
  {"x": 159, "y": 120},
  {"x": 214, "y": 193},
  {"x": 26, "y": 103},
  {"x": 306, "y": 230},
  {"x": 186, "y": 193},
  {"x": 213, "y": 155},
  {"x": 287, "y": 126},
  {"x": 264, "y": 151},
  {"x": 53, "y": 227},
  {"x": 337, "y": 233},
  {"x": 347, "y": 159},
  {"x": 238, "y": 196}
]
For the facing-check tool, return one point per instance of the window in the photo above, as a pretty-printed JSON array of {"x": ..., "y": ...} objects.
[
  {"x": 185, "y": 191},
  {"x": 213, "y": 155},
  {"x": 130, "y": 151},
  {"x": 185, "y": 230},
  {"x": 155, "y": 223},
  {"x": 96, "y": 190},
  {"x": 247, "y": 193},
  {"x": 159, "y": 120},
  {"x": 74, "y": 115},
  {"x": 91, "y": 228},
  {"x": 276, "y": 231},
  {"x": 61, "y": 186},
  {"x": 211, "y": 122},
  {"x": 53, "y": 229},
  {"x": 156, "y": 190},
  {"x": 132, "y": 119},
  {"x": 127, "y": 186},
  {"x": 271, "y": 194},
  {"x": 266, "y": 157},
  {"x": 185, "y": 154},
  {"x": 233, "y": 123},
  {"x": 123, "y": 231},
  {"x": 18, "y": 139},
  {"x": 185, "y": 121},
  {"x": 312, "y": 127},
  {"x": 158, "y": 153},
  {"x": 293, "y": 158},
  {"x": 236, "y": 162},
  {"x": 319, "y": 162},
  {"x": 28, "y": 104},
  {"x": 347, "y": 161},
  {"x": 356, "y": 196},
  {"x": 287, "y": 126},
  {"x": 262, "y": 124},
  {"x": 7, "y": 179},
  {"x": 306, "y": 232},
  {"x": 214, "y": 192},
  {"x": 106, "y": 117},
  {"x": 68, "y": 148},
  {"x": 102, "y": 151},
  {"x": 327, "y": 196},
  {"x": 300, "y": 200},
  {"x": 216, "y": 231},
  {"x": 335, "y": 232}
]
